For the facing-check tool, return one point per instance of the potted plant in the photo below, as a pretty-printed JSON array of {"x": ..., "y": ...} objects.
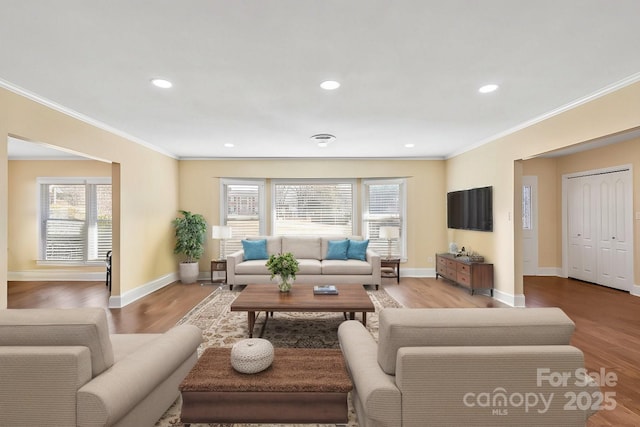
[
  {"x": 190, "y": 235},
  {"x": 285, "y": 266}
]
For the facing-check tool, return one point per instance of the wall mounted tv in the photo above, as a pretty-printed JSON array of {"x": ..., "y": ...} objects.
[{"x": 470, "y": 209}]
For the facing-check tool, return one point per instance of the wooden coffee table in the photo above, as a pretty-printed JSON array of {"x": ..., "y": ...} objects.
[{"x": 266, "y": 297}]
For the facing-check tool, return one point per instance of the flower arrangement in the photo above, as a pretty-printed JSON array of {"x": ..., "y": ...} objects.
[{"x": 285, "y": 266}]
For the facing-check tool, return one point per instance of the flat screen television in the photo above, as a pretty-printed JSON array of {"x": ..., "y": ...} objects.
[{"x": 470, "y": 209}]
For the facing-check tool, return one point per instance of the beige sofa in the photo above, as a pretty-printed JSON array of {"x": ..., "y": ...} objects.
[
  {"x": 60, "y": 367},
  {"x": 311, "y": 253},
  {"x": 467, "y": 366}
]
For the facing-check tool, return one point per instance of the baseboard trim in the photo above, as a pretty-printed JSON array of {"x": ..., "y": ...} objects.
[
  {"x": 417, "y": 272},
  {"x": 549, "y": 271},
  {"x": 509, "y": 299},
  {"x": 635, "y": 290},
  {"x": 56, "y": 275},
  {"x": 142, "y": 291}
]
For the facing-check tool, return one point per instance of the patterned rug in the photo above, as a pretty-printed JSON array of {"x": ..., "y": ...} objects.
[{"x": 222, "y": 328}]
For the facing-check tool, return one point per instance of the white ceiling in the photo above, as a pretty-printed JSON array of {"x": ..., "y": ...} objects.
[{"x": 248, "y": 72}]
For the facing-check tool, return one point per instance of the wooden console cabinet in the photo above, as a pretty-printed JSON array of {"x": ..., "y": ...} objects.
[{"x": 469, "y": 274}]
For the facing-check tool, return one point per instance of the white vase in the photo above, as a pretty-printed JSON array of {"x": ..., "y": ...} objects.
[{"x": 189, "y": 272}]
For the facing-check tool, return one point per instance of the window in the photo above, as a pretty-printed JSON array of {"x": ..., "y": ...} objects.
[
  {"x": 526, "y": 208},
  {"x": 242, "y": 210},
  {"x": 75, "y": 219},
  {"x": 313, "y": 207},
  {"x": 385, "y": 205}
]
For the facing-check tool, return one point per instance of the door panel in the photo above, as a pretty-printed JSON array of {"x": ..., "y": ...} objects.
[{"x": 600, "y": 229}]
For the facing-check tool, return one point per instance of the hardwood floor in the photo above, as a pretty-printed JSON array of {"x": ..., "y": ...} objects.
[{"x": 607, "y": 321}]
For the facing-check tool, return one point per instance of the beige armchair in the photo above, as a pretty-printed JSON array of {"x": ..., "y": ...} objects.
[
  {"x": 61, "y": 367},
  {"x": 454, "y": 367}
]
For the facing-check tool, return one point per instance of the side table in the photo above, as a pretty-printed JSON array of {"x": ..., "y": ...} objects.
[
  {"x": 390, "y": 268},
  {"x": 219, "y": 265}
]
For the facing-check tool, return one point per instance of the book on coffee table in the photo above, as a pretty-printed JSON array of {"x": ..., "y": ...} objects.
[{"x": 325, "y": 290}]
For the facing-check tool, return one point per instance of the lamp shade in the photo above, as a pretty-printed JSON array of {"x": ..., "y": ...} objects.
[
  {"x": 389, "y": 232},
  {"x": 220, "y": 232}
]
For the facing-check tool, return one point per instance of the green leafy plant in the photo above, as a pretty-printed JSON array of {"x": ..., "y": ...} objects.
[
  {"x": 190, "y": 235},
  {"x": 284, "y": 265}
]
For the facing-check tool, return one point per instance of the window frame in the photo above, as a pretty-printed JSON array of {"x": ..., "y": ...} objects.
[
  {"x": 402, "y": 183},
  {"x": 89, "y": 216},
  {"x": 262, "y": 220}
]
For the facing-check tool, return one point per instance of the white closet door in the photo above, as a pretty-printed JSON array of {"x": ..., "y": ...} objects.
[
  {"x": 615, "y": 237},
  {"x": 582, "y": 244},
  {"x": 600, "y": 222}
]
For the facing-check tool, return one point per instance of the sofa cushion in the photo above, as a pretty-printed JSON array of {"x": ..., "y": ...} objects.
[
  {"x": 309, "y": 266},
  {"x": 301, "y": 247},
  {"x": 417, "y": 327},
  {"x": 255, "y": 249},
  {"x": 85, "y": 327},
  {"x": 252, "y": 267},
  {"x": 337, "y": 249},
  {"x": 358, "y": 249},
  {"x": 274, "y": 243},
  {"x": 326, "y": 239},
  {"x": 348, "y": 267}
]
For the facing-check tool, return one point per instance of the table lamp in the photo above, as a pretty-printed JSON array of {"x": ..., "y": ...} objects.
[
  {"x": 389, "y": 233},
  {"x": 221, "y": 232}
]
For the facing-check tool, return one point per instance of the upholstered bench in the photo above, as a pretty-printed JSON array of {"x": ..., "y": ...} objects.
[{"x": 300, "y": 386}]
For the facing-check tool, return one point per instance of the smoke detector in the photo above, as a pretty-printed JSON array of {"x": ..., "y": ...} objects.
[{"x": 323, "y": 139}]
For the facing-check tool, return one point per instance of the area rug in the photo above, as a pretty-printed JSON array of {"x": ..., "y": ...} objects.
[{"x": 222, "y": 328}]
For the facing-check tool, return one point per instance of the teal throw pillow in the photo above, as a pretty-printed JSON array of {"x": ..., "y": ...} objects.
[
  {"x": 338, "y": 249},
  {"x": 255, "y": 249},
  {"x": 358, "y": 249}
]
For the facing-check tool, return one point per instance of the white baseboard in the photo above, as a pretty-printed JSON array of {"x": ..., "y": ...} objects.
[
  {"x": 549, "y": 271},
  {"x": 635, "y": 290},
  {"x": 509, "y": 299},
  {"x": 417, "y": 272},
  {"x": 56, "y": 275},
  {"x": 141, "y": 291}
]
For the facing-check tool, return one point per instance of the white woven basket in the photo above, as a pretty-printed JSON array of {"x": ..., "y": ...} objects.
[{"x": 251, "y": 355}]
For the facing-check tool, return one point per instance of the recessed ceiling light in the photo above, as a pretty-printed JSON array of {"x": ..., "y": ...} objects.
[
  {"x": 161, "y": 83},
  {"x": 329, "y": 85},
  {"x": 409, "y": 145},
  {"x": 229, "y": 145},
  {"x": 488, "y": 88}
]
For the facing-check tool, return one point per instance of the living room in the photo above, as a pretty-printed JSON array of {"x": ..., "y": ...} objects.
[
  {"x": 590, "y": 130},
  {"x": 170, "y": 184}
]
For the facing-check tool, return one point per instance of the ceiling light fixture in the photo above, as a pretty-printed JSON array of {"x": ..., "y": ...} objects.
[
  {"x": 329, "y": 85},
  {"x": 161, "y": 83},
  {"x": 488, "y": 88},
  {"x": 229, "y": 145},
  {"x": 323, "y": 139},
  {"x": 409, "y": 145}
]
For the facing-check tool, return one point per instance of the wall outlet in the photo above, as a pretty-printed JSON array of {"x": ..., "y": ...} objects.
[{"x": 430, "y": 259}]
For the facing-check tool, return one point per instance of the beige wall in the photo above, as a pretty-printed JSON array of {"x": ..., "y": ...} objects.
[
  {"x": 426, "y": 232},
  {"x": 4, "y": 202},
  {"x": 148, "y": 200},
  {"x": 495, "y": 164}
]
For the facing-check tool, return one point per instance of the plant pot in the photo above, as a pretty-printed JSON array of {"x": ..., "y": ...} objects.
[{"x": 189, "y": 272}]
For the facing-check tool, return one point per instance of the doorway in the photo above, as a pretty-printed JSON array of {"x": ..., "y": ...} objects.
[{"x": 599, "y": 226}]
